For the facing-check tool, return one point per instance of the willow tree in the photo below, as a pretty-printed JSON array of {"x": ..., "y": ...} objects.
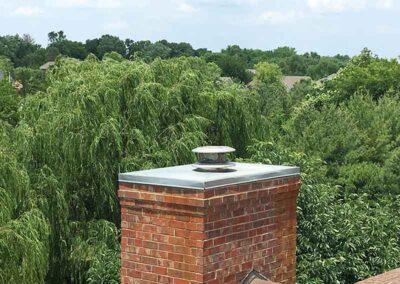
[
  {"x": 24, "y": 230},
  {"x": 96, "y": 119}
]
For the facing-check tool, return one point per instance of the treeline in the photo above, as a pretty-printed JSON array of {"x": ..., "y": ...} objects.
[{"x": 233, "y": 61}]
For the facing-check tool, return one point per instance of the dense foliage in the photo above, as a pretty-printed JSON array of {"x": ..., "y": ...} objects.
[
  {"x": 233, "y": 61},
  {"x": 98, "y": 118},
  {"x": 63, "y": 143},
  {"x": 345, "y": 136}
]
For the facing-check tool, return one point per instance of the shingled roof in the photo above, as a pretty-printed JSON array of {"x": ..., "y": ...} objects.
[
  {"x": 255, "y": 277},
  {"x": 290, "y": 81},
  {"x": 46, "y": 65},
  {"x": 390, "y": 277}
]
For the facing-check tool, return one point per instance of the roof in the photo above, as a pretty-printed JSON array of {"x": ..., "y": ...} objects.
[
  {"x": 255, "y": 277},
  {"x": 289, "y": 81},
  {"x": 46, "y": 65},
  {"x": 261, "y": 281},
  {"x": 188, "y": 177},
  {"x": 390, "y": 277}
]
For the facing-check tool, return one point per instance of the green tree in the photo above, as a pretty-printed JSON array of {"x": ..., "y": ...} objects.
[
  {"x": 56, "y": 36},
  {"x": 22, "y": 51},
  {"x": 9, "y": 102},
  {"x": 68, "y": 48},
  {"x": 91, "y": 46},
  {"x": 109, "y": 43},
  {"x": 366, "y": 73},
  {"x": 268, "y": 85},
  {"x": 32, "y": 80},
  {"x": 96, "y": 118}
]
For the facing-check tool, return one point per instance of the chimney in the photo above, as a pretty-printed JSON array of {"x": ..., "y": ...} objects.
[{"x": 211, "y": 222}]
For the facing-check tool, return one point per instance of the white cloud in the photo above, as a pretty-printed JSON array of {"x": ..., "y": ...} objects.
[
  {"x": 336, "y": 6},
  {"x": 101, "y": 4},
  {"x": 27, "y": 11},
  {"x": 248, "y": 2},
  {"x": 184, "y": 6},
  {"x": 384, "y": 4},
  {"x": 280, "y": 17}
]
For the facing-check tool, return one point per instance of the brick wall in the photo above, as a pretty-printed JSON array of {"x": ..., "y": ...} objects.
[{"x": 174, "y": 235}]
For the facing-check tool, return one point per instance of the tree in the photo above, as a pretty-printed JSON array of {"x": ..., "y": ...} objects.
[
  {"x": 179, "y": 49},
  {"x": 366, "y": 73},
  {"x": 60, "y": 161},
  {"x": 231, "y": 66},
  {"x": 325, "y": 66},
  {"x": 51, "y": 53},
  {"x": 268, "y": 85},
  {"x": 68, "y": 48},
  {"x": 92, "y": 45},
  {"x": 108, "y": 43},
  {"x": 9, "y": 103},
  {"x": 56, "y": 36},
  {"x": 5, "y": 64},
  {"x": 137, "y": 47},
  {"x": 267, "y": 73},
  {"x": 32, "y": 80},
  {"x": 21, "y": 51}
]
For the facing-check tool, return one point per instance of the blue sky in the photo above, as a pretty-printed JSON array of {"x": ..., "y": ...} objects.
[{"x": 326, "y": 26}]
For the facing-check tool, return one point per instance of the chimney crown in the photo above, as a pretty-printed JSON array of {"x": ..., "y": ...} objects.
[{"x": 187, "y": 177}]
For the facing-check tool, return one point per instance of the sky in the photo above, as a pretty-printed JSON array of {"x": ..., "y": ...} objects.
[{"x": 328, "y": 27}]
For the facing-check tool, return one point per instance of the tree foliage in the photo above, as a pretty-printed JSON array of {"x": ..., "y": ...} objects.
[
  {"x": 64, "y": 143},
  {"x": 98, "y": 118}
]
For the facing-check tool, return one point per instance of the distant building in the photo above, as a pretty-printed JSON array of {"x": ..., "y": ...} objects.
[
  {"x": 290, "y": 81},
  {"x": 1, "y": 74},
  {"x": 46, "y": 66}
]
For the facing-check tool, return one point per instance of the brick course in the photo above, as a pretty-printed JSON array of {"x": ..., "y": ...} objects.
[{"x": 181, "y": 236}]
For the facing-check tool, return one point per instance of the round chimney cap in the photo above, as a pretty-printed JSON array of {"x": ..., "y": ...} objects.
[
  {"x": 212, "y": 158},
  {"x": 213, "y": 150}
]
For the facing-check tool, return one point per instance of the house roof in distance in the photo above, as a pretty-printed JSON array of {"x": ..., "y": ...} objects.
[
  {"x": 46, "y": 65},
  {"x": 289, "y": 81}
]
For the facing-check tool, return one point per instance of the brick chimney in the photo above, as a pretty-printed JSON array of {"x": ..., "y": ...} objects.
[{"x": 181, "y": 225}]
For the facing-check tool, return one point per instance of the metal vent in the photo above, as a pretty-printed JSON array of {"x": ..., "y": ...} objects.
[{"x": 212, "y": 158}]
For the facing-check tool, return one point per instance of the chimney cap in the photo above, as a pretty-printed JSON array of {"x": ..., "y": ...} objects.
[
  {"x": 213, "y": 150},
  {"x": 212, "y": 158}
]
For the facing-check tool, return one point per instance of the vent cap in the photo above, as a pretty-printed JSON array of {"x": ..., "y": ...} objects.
[{"x": 212, "y": 158}]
